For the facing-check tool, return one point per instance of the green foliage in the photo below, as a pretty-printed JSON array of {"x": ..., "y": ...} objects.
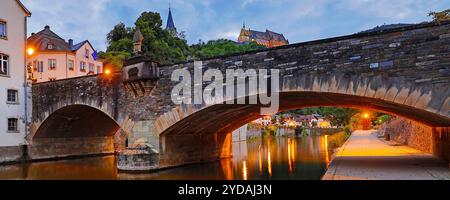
[
  {"x": 270, "y": 130},
  {"x": 348, "y": 130},
  {"x": 337, "y": 140},
  {"x": 123, "y": 45},
  {"x": 221, "y": 47},
  {"x": 440, "y": 16},
  {"x": 114, "y": 59},
  {"x": 299, "y": 130},
  {"x": 337, "y": 116},
  {"x": 158, "y": 44},
  {"x": 382, "y": 119},
  {"x": 119, "y": 32}
]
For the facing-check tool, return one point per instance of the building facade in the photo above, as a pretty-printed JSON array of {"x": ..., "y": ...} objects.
[
  {"x": 14, "y": 90},
  {"x": 52, "y": 58},
  {"x": 268, "y": 39}
]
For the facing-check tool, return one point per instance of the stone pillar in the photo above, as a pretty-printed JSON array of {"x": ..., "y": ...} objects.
[
  {"x": 176, "y": 150},
  {"x": 441, "y": 143}
]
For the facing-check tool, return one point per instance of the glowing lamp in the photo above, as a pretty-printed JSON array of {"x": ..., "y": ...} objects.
[
  {"x": 366, "y": 115},
  {"x": 107, "y": 71},
  {"x": 30, "y": 51}
]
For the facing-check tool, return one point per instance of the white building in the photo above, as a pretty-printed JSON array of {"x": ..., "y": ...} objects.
[{"x": 14, "y": 90}]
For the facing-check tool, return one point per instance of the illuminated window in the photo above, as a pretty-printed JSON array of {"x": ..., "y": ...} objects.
[
  {"x": 82, "y": 66},
  {"x": 39, "y": 66},
  {"x": 91, "y": 68},
  {"x": 51, "y": 64},
  {"x": 70, "y": 65}
]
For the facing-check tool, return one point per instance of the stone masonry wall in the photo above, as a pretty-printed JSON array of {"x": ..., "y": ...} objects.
[
  {"x": 10, "y": 154},
  {"x": 50, "y": 148},
  {"x": 410, "y": 133}
]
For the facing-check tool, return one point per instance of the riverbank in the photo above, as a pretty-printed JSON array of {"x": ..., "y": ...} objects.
[{"x": 366, "y": 157}]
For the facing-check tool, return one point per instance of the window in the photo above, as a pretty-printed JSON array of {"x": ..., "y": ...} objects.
[
  {"x": 13, "y": 125},
  {"x": 38, "y": 66},
  {"x": 82, "y": 66},
  {"x": 51, "y": 79},
  {"x": 12, "y": 96},
  {"x": 4, "y": 64},
  {"x": 2, "y": 29},
  {"x": 99, "y": 69},
  {"x": 87, "y": 53},
  {"x": 70, "y": 65},
  {"x": 91, "y": 68},
  {"x": 51, "y": 64},
  {"x": 50, "y": 46}
]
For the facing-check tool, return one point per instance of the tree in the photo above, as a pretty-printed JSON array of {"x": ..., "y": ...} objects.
[
  {"x": 122, "y": 45},
  {"x": 119, "y": 32},
  {"x": 221, "y": 47},
  {"x": 337, "y": 116},
  {"x": 158, "y": 45},
  {"x": 440, "y": 16},
  {"x": 114, "y": 59}
]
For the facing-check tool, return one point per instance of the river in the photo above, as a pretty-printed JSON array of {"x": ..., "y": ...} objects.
[{"x": 304, "y": 158}]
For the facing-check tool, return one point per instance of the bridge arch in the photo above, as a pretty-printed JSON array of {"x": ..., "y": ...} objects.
[
  {"x": 393, "y": 96},
  {"x": 75, "y": 121}
]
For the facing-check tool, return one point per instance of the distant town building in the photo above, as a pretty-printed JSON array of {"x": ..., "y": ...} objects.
[
  {"x": 264, "y": 121},
  {"x": 313, "y": 120},
  {"x": 15, "y": 105},
  {"x": 269, "y": 39},
  {"x": 54, "y": 58},
  {"x": 170, "y": 24}
]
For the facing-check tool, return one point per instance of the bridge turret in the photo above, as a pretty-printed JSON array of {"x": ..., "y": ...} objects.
[{"x": 140, "y": 75}]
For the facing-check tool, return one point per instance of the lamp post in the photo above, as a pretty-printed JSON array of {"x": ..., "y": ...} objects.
[{"x": 30, "y": 51}]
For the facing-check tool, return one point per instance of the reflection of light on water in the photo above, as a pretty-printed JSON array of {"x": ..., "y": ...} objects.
[
  {"x": 269, "y": 162},
  {"x": 244, "y": 170},
  {"x": 260, "y": 159},
  {"x": 292, "y": 147},
  {"x": 289, "y": 156},
  {"x": 326, "y": 150}
]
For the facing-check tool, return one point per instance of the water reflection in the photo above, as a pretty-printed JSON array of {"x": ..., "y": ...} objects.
[{"x": 261, "y": 158}]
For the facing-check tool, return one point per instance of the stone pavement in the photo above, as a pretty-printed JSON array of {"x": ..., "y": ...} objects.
[{"x": 366, "y": 157}]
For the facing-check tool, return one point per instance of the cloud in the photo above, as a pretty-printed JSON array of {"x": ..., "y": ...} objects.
[{"x": 298, "y": 20}]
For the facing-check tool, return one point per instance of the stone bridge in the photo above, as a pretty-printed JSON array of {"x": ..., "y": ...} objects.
[{"x": 404, "y": 72}]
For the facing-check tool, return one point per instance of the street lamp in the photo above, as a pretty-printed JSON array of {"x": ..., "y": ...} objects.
[
  {"x": 30, "y": 51},
  {"x": 107, "y": 72},
  {"x": 366, "y": 115}
]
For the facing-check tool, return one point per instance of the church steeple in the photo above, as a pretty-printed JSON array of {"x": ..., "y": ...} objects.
[{"x": 170, "y": 24}]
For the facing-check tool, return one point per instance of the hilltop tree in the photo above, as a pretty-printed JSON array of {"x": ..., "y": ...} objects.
[
  {"x": 159, "y": 45},
  {"x": 440, "y": 16},
  {"x": 114, "y": 59},
  {"x": 119, "y": 32},
  {"x": 221, "y": 47}
]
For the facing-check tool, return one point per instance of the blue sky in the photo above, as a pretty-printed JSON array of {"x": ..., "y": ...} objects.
[{"x": 298, "y": 20}]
